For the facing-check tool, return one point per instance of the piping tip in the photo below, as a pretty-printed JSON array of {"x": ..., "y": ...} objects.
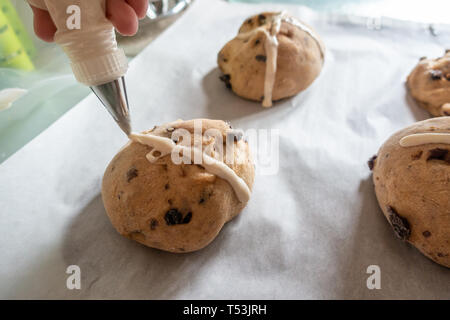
[{"x": 113, "y": 95}]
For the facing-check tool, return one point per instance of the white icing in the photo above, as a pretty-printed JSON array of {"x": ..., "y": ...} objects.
[
  {"x": 9, "y": 96},
  {"x": 223, "y": 171},
  {"x": 271, "y": 47},
  {"x": 166, "y": 146},
  {"x": 159, "y": 144},
  {"x": 425, "y": 138}
]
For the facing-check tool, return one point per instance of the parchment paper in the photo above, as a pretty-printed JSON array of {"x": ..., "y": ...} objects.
[{"x": 309, "y": 231}]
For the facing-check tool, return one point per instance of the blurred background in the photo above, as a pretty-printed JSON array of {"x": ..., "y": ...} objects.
[{"x": 37, "y": 76}]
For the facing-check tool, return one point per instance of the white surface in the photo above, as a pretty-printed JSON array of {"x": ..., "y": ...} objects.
[
  {"x": 435, "y": 11},
  {"x": 310, "y": 231}
]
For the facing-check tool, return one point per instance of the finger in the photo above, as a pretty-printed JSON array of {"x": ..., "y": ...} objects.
[
  {"x": 43, "y": 24},
  {"x": 122, "y": 16},
  {"x": 139, "y": 6}
]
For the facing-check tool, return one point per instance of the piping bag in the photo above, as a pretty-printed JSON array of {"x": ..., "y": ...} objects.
[{"x": 88, "y": 39}]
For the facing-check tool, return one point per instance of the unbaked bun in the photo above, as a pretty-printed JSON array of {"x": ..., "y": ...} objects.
[
  {"x": 274, "y": 56},
  {"x": 412, "y": 182},
  {"x": 429, "y": 85},
  {"x": 178, "y": 207}
]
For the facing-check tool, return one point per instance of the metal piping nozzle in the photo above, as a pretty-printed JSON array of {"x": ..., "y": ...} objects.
[{"x": 113, "y": 96}]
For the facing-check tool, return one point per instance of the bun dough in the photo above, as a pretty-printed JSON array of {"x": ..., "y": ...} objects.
[
  {"x": 429, "y": 85},
  {"x": 412, "y": 184},
  {"x": 174, "y": 207},
  {"x": 274, "y": 56}
]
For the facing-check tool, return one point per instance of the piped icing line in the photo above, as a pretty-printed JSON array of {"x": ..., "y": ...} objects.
[
  {"x": 271, "y": 48},
  {"x": 419, "y": 139},
  {"x": 223, "y": 171},
  {"x": 166, "y": 146},
  {"x": 159, "y": 144}
]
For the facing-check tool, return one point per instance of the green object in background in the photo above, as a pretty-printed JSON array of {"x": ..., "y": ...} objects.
[
  {"x": 16, "y": 47},
  {"x": 16, "y": 23}
]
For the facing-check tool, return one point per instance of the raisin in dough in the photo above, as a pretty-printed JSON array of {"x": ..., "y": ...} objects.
[
  {"x": 429, "y": 85},
  {"x": 274, "y": 56},
  {"x": 412, "y": 182},
  {"x": 177, "y": 208}
]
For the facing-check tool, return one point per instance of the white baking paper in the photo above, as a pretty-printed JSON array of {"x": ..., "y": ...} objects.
[{"x": 309, "y": 232}]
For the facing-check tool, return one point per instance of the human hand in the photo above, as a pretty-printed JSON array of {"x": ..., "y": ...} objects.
[{"x": 123, "y": 14}]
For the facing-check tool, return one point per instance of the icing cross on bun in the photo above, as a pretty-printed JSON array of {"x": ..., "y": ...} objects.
[
  {"x": 411, "y": 173},
  {"x": 173, "y": 187},
  {"x": 274, "y": 56}
]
